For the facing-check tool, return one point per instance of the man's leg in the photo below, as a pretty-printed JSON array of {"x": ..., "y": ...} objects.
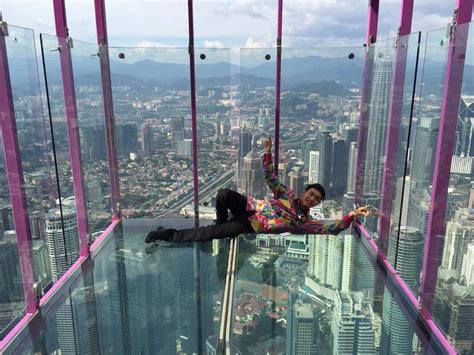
[
  {"x": 232, "y": 228},
  {"x": 230, "y": 200}
]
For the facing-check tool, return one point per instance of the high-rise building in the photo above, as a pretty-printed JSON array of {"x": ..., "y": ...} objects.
[
  {"x": 459, "y": 233},
  {"x": 353, "y": 325},
  {"x": 37, "y": 225},
  {"x": 339, "y": 169},
  {"x": 464, "y": 144},
  {"x": 326, "y": 261},
  {"x": 177, "y": 131},
  {"x": 6, "y": 214},
  {"x": 424, "y": 146},
  {"x": 78, "y": 321},
  {"x": 377, "y": 122},
  {"x": 93, "y": 143},
  {"x": 127, "y": 139},
  {"x": 296, "y": 182},
  {"x": 185, "y": 147},
  {"x": 349, "y": 132},
  {"x": 405, "y": 254},
  {"x": 402, "y": 193},
  {"x": 62, "y": 240},
  {"x": 245, "y": 146},
  {"x": 325, "y": 159},
  {"x": 11, "y": 284},
  {"x": 313, "y": 167},
  {"x": 147, "y": 140},
  {"x": 460, "y": 306},
  {"x": 467, "y": 270},
  {"x": 252, "y": 174},
  {"x": 300, "y": 329},
  {"x": 41, "y": 264}
]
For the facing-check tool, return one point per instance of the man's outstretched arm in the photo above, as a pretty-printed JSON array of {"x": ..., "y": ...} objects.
[
  {"x": 269, "y": 170},
  {"x": 317, "y": 227}
]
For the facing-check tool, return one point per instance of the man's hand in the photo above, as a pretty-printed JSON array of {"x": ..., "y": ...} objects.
[
  {"x": 361, "y": 211},
  {"x": 266, "y": 143}
]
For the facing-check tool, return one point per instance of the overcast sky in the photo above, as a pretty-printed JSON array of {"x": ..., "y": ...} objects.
[{"x": 225, "y": 23}]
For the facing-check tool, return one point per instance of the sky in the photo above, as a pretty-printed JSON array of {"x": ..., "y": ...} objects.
[{"x": 226, "y": 23}]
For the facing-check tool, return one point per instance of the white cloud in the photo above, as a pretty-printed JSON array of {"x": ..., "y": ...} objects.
[
  {"x": 213, "y": 44},
  {"x": 150, "y": 44},
  {"x": 252, "y": 43}
]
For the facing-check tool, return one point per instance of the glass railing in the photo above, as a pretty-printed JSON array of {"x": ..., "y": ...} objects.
[
  {"x": 453, "y": 298},
  {"x": 127, "y": 301},
  {"x": 39, "y": 185},
  {"x": 287, "y": 286}
]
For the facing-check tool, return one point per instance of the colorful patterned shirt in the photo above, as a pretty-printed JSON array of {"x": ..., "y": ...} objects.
[{"x": 285, "y": 213}]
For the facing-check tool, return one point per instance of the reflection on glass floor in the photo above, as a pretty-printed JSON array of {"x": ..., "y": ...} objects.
[{"x": 291, "y": 294}]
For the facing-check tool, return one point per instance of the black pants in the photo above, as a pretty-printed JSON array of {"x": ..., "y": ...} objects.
[{"x": 223, "y": 228}]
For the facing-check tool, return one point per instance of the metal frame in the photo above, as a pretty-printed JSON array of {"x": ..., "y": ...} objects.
[
  {"x": 72, "y": 124},
  {"x": 278, "y": 85},
  {"x": 111, "y": 142},
  {"x": 393, "y": 126},
  {"x": 372, "y": 21},
  {"x": 11, "y": 151},
  {"x": 192, "y": 72},
  {"x": 444, "y": 151}
]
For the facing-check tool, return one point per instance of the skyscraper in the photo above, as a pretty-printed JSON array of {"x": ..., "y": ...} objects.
[
  {"x": 353, "y": 325},
  {"x": 313, "y": 167},
  {"x": 467, "y": 270},
  {"x": 11, "y": 284},
  {"x": 177, "y": 130},
  {"x": 300, "y": 329},
  {"x": 459, "y": 233},
  {"x": 424, "y": 146},
  {"x": 77, "y": 320},
  {"x": 296, "y": 182},
  {"x": 62, "y": 240},
  {"x": 147, "y": 140},
  {"x": 325, "y": 160},
  {"x": 377, "y": 123},
  {"x": 405, "y": 254},
  {"x": 127, "y": 139},
  {"x": 464, "y": 144},
  {"x": 339, "y": 169},
  {"x": 252, "y": 174},
  {"x": 245, "y": 146}
]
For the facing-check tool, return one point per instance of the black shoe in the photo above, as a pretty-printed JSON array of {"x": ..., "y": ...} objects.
[
  {"x": 153, "y": 247},
  {"x": 153, "y": 235},
  {"x": 160, "y": 234}
]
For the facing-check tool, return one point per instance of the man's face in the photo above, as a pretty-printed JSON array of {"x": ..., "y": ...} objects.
[{"x": 310, "y": 198}]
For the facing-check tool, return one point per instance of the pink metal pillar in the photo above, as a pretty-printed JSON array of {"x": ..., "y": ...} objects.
[
  {"x": 444, "y": 152},
  {"x": 102, "y": 40},
  {"x": 372, "y": 21},
  {"x": 192, "y": 72},
  {"x": 72, "y": 124},
  {"x": 15, "y": 175},
  {"x": 393, "y": 127},
  {"x": 278, "y": 85}
]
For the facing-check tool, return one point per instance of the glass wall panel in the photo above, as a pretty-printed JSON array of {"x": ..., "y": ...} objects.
[
  {"x": 152, "y": 106},
  {"x": 129, "y": 301},
  {"x": 39, "y": 185},
  {"x": 87, "y": 107},
  {"x": 454, "y": 298},
  {"x": 217, "y": 102},
  {"x": 400, "y": 56}
]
